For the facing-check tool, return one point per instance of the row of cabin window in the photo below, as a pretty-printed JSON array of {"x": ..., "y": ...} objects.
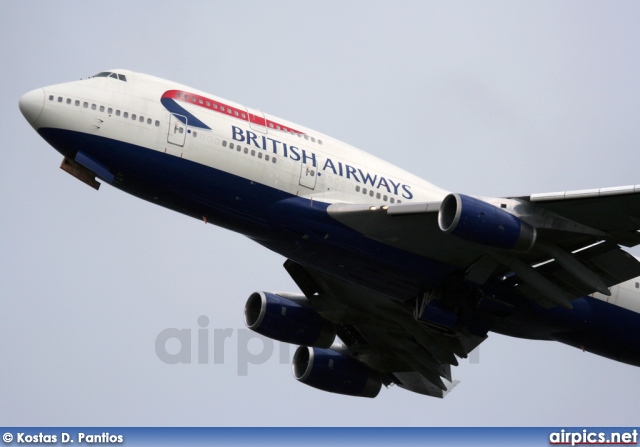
[
  {"x": 222, "y": 108},
  {"x": 85, "y": 105},
  {"x": 377, "y": 195},
  {"x": 371, "y": 192},
  {"x": 267, "y": 157},
  {"x": 300, "y": 135},
  {"x": 231, "y": 111}
]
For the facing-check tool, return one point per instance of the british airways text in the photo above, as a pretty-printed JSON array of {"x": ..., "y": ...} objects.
[{"x": 307, "y": 157}]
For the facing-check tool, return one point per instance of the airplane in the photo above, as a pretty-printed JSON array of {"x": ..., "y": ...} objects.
[{"x": 398, "y": 278}]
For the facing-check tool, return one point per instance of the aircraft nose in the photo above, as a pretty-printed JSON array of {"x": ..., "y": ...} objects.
[{"x": 31, "y": 105}]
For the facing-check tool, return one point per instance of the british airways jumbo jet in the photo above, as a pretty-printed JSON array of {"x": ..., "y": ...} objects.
[{"x": 408, "y": 276}]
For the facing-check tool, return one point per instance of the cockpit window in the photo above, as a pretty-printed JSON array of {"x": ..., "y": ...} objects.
[{"x": 108, "y": 74}]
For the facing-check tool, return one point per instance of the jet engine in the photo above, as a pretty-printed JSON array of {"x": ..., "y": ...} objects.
[
  {"x": 329, "y": 370},
  {"x": 477, "y": 221},
  {"x": 282, "y": 319}
]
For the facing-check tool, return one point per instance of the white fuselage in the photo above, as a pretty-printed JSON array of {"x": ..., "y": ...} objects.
[
  {"x": 345, "y": 172},
  {"x": 239, "y": 141}
]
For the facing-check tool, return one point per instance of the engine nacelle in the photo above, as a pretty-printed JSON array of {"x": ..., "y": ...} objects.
[
  {"x": 329, "y": 370},
  {"x": 477, "y": 221},
  {"x": 284, "y": 320}
]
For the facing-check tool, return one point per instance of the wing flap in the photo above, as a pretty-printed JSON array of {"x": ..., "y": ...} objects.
[
  {"x": 605, "y": 259},
  {"x": 415, "y": 382},
  {"x": 385, "y": 335}
]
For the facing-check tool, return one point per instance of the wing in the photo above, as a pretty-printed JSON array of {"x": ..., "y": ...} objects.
[
  {"x": 574, "y": 251},
  {"x": 384, "y": 334},
  {"x": 566, "y": 246}
]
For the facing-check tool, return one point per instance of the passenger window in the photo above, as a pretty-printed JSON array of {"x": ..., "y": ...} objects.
[
  {"x": 200, "y": 101},
  {"x": 246, "y": 151},
  {"x": 117, "y": 112},
  {"x": 319, "y": 141},
  {"x": 59, "y": 98},
  {"x": 157, "y": 123},
  {"x": 85, "y": 104},
  {"x": 77, "y": 102},
  {"x": 392, "y": 200},
  {"x": 134, "y": 116},
  {"x": 50, "y": 97},
  {"x": 377, "y": 195},
  {"x": 125, "y": 115},
  {"x": 110, "y": 111},
  {"x": 224, "y": 144},
  {"x": 385, "y": 198},
  {"x": 253, "y": 152},
  {"x": 273, "y": 159},
  {"x": 371, "y": 193},
  {"x": 149, "y": 121},
  {"x": 364, "y": 190},
  {"x": 230, "y": 145},
  {"x": 102, "y": 108},
  {"x": 68, "y": 100},
  {"x": 266, "y": 157},
  {"x": 93, "y": 106},
  {"x": 208, "y": 104},
  {"x": 259, "y": 154},
  {"x": 141, "y": 119},
  {"x": 357, "y": 188},
  {"x": 236, "y": 113}
]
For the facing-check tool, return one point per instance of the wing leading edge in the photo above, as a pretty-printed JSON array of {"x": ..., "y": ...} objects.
[{"x": 574, "y": 249}]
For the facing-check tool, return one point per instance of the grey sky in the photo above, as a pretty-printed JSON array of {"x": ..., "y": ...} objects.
[{"x": 489, "y": 98}]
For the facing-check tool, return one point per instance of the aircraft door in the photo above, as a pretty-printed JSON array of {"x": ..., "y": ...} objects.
[
  {"x": 308, "y": 175},
  {"x": 257, "y": 121},
  {"x": 177, "y": 129}
]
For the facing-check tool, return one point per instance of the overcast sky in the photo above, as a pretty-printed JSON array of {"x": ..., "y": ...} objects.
[{"x": 487, "y": 98}]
